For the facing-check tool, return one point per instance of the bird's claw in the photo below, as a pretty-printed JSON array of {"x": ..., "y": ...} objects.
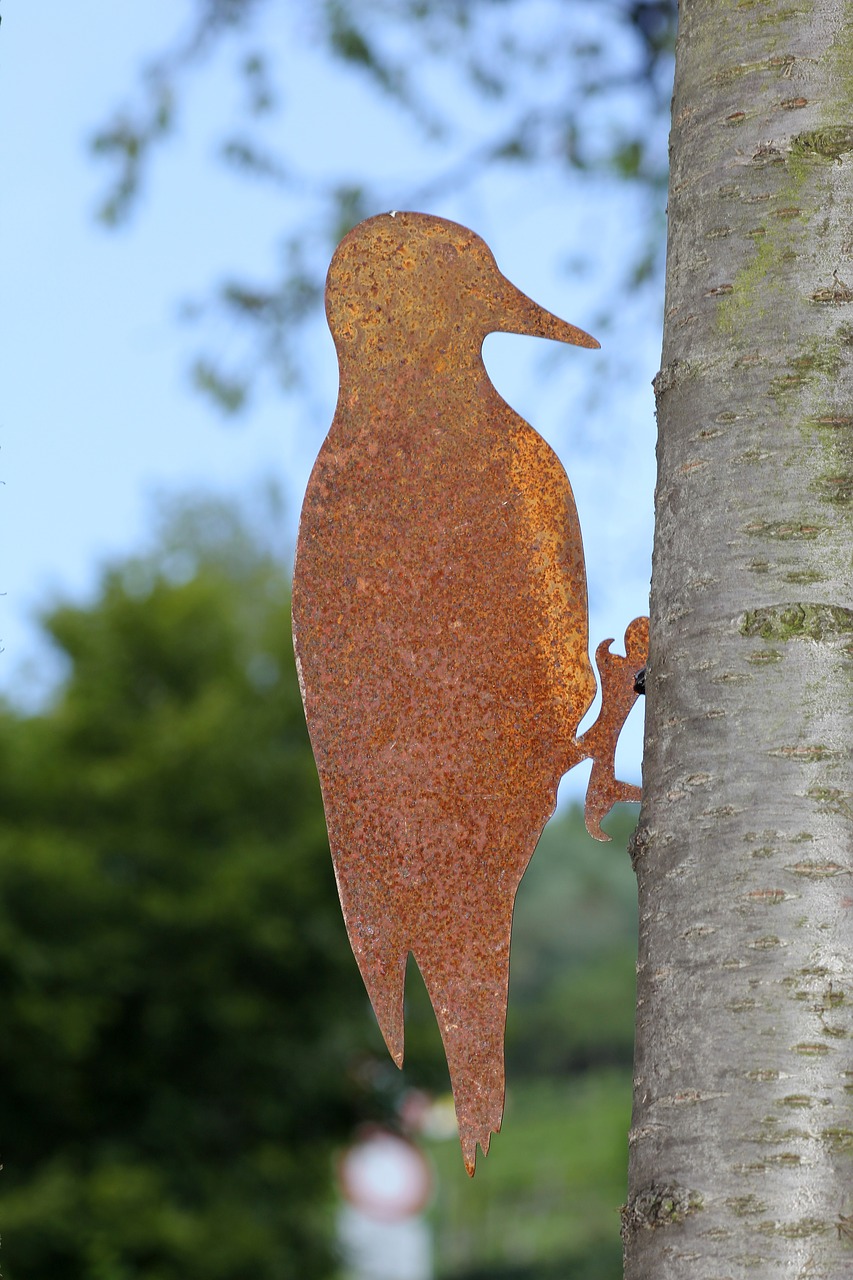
[{"x": 618, "y": 677}]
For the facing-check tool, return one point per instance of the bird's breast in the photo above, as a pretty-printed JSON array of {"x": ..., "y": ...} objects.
[{"x": 440, "y": 596}]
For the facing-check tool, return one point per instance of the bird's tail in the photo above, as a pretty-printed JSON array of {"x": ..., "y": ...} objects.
[
  {"x": 384, "y": 973},
  {"x": 469, "y": 995}
]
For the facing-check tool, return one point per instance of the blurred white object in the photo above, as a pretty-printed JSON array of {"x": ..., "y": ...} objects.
[
  {"x": 386, "y": 1182},
  {"x": 385, "y": 1177},
  {"x": 375, "y": 1250}
]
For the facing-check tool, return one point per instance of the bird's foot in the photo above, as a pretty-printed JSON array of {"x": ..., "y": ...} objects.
[{"x": 618, "y": 676}]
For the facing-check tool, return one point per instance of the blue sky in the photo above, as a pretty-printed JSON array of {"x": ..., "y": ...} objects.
[{"x": 97, "y": 414}]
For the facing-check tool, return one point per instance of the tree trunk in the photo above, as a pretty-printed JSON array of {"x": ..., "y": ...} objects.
[{"x": 741, "y": 1155}]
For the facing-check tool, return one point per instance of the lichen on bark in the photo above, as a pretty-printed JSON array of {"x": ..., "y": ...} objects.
[{"x": 744, "y": 851}]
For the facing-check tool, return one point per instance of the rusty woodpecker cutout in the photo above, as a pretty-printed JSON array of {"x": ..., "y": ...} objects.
[{"x": 441, "y": 634}]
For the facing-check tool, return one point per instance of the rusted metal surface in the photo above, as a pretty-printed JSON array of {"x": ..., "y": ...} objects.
[
  {"x": 619, "y": 678},
  {"x": 441, "y": 635}
]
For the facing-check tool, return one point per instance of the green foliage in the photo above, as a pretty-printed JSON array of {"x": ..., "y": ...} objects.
[
  {"x": 574, "y": 952},
  {"x": 545, "y": 1203},
  {"x": 185, "y": 1033},
  {"x": 229, "y": 393}
]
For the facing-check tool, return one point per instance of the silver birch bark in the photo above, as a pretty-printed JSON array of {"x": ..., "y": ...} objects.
[{"x": 741, "y": 1149}]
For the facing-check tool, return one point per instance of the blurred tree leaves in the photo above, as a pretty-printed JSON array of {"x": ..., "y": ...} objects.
[
  {"x": 572, "y": 981},
  {"x": 558, "y": 86},
  {"x": 186, "y": 1037},
  {"x": 544, "y": 1205}
]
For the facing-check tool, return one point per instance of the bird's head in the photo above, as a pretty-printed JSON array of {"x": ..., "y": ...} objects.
[{"x": 408, "y": 287}]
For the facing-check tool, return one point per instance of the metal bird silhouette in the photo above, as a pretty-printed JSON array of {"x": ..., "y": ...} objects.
[{"x": 441, "y": 636}]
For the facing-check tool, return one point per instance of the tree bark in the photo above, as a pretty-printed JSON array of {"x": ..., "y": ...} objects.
[{"x": 741, "y": 1149}]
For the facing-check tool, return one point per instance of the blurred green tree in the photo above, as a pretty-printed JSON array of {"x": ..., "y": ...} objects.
[
  {"x": 185, "y": 1033},
  {"x": 574, "y": 940}
]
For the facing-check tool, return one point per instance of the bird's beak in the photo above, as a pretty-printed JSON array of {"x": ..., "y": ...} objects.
[{"x": 520, "y": 314}]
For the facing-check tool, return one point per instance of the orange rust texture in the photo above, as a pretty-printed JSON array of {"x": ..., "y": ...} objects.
[
  {"x": 618, "y": 695},
  {"x": 440, "y": 628}
]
